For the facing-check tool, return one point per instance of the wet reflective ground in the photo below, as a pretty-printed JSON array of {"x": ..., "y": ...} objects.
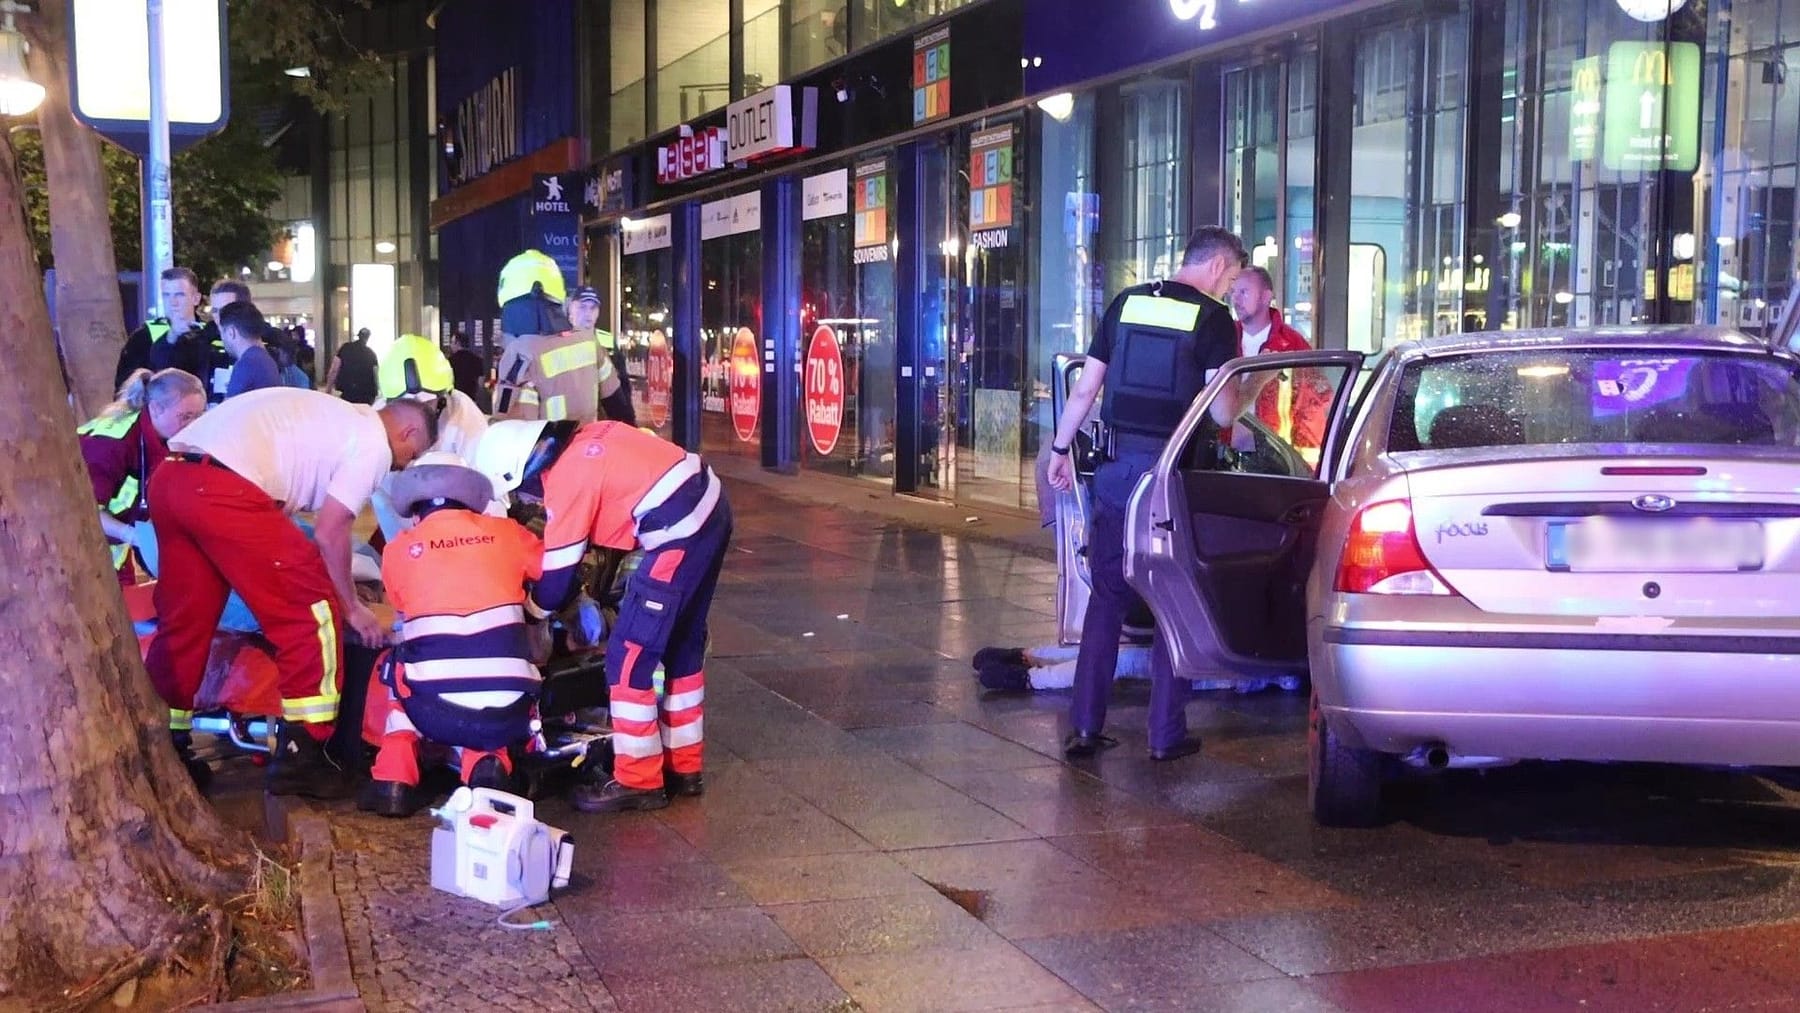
[{"x": 878, "y": 835}]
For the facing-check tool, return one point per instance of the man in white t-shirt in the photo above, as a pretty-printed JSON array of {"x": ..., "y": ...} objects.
[{"x": 221, "y": 505}]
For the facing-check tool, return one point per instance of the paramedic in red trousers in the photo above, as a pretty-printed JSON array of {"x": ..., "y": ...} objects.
[
  {"x": 221, "y": 504},
  {"x": 461, "y": 674},
  {"x": 612, "y": 485},
  {"x": 1295, "y": 411}
]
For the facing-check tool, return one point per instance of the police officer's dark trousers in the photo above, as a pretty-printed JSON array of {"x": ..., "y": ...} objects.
[{"x": 1112, "y": 600}]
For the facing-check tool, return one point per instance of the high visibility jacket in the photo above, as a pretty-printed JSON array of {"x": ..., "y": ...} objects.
[
  {"x": 1296, "y": 407},
  {"x": 552, "y": 377},
  {"x": 606, "y": 489},
  {"x": 120, "y": 453},
  {"x": 457, "y": 579}
]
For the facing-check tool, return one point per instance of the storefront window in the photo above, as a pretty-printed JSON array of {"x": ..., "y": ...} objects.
[
  {"x": 874, "y": 20},
  {"x": 1406, "y": 270},
  {"x": 731, "y": 331},
  {"x": 990, "y": 373},
  {"x": 1153, "y": 201},
  {"x": 625, "y": 116},
  {"x": 1270, "y": 111},
  {"x": 1579, "y": 228},
  {"x": 646, "y": 328},
  {"x": 693, "y": 60},
  {"x": 1752, "y": 208},
  {"x": 846, "y": 353},
  {"x": 1069, "y": 294},
  {"x": 820, "y": 33},
  {"x": 762, "y": 45}
]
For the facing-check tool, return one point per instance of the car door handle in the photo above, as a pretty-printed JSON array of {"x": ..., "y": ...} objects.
[{"x": 1302, "y": 514}]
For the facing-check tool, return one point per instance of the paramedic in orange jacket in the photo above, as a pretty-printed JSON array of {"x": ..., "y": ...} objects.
[
  {"x": 461, "y": 674},
  {"x": 612, "y": 485},
  {"x": 1295, "y": 409}
]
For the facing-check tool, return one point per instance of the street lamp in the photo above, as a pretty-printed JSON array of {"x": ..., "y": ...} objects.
[{"x": 19, "y": 94}]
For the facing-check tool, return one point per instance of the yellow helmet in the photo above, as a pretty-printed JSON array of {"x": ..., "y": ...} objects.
[
  {"x": 521, "y": 272},
  {"x": 431, "y": 373}
]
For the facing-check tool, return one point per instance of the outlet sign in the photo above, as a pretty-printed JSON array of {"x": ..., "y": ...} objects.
[{"x": 769, "y": 123}]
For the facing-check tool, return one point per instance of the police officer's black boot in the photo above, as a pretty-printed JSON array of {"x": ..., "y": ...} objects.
[
  {"x": 197, "y": 769},
  {"x": 299, "y": 766}
]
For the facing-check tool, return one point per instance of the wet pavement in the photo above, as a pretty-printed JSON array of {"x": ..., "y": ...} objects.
[{"x": 879, "y": 835}]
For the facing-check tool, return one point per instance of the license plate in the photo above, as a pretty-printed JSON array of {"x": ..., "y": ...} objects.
[{"x": 1688, "y": 545}]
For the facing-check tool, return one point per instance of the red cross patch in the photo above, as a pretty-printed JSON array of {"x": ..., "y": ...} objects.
[{"x": 416, "y": 549}]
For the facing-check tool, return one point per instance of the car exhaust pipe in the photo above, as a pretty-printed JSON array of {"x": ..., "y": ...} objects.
[{"x": 1437, "y": 756}]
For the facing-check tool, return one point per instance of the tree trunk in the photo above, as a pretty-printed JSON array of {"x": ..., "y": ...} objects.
[
  {"x": 90, "y": 317},
  {"x": 109, "y": 859}
]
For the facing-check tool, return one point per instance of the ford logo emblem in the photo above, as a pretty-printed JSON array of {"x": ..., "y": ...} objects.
[{"x": 1653, "y": 503}]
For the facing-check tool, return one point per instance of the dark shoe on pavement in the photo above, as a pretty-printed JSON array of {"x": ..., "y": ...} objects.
[
  {"x": 198, "y": 770},
  {"x": 488, "y": 773},
  {"x": 988, "y": 657},
  {"x": 1005, "y": 678},
  {"x": 1186, "y": 747},
  {"x": 394, "y": 799},
  {"x": 613, "y": 797},
  {"x": 300, "y": 766},
  {"x": 686, "y": 785},
  {"x": 1082, "y": 744}
]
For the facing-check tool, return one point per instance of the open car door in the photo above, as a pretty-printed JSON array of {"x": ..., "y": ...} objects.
[
  {"x": 1072, "y": 586},
  {"x": 1221, "y": 534}
]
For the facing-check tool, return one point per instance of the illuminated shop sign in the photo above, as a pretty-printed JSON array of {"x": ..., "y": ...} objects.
[
  {"x": 991, "y": 188},
  {"x": 696, "y": 153},
  {"x": 931, "y": 76},
  {"x": 768, "y": 123}
]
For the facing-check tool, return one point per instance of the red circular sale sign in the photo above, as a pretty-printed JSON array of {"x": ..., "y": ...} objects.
[
  {"x": 659, "y": 379},
  {"x": 823, "y": 402},
  {"x": 745, "y": 385}
]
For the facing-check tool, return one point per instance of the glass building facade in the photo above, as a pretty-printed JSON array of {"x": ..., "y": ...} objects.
[{"x": 984, "y": 178}]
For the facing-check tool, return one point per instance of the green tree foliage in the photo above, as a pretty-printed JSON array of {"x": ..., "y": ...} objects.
[{"x": 224, "y": 186}]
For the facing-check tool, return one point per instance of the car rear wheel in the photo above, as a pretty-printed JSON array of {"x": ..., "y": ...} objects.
[{"x": 1343, "y": 784}]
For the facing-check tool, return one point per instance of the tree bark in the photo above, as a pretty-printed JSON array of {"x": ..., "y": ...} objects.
[
  {"x": 108, "y": 856},
  {"x": 90, "y": 316}
]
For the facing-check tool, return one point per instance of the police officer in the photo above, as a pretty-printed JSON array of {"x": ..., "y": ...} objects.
[
  {"x": 1158, "y": 344},
  {"x": 180, "y": 340}
]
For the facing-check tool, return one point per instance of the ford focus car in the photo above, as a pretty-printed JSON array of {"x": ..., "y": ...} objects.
[{"x": 1554, "y": 545}]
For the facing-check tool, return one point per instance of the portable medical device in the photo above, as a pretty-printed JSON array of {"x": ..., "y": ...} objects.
[{"x": 488, "y": 846}]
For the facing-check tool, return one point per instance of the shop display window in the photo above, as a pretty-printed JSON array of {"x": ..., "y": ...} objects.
[
  {"x": 731, "y": 330},
  {"x": 846, "y": 347},
  {"x": 647, "y": 334}
]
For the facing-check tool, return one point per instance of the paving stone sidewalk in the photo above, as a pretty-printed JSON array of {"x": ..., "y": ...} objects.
[{"x": 880, "y": 835}]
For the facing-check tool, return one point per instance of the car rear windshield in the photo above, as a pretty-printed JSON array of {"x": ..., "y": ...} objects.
[{"x": 1531, "y": 398}]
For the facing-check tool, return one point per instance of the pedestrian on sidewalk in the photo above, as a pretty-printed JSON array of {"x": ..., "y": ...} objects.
[
  {"x": 353, "y": 371},
  {"x": 242, "y": 327},
  {"x": 1295, "y": 408},
  {"x": 616, "y": 486}
]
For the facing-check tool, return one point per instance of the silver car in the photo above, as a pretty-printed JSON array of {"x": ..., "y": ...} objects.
[{"x": 1550, "y": 545}]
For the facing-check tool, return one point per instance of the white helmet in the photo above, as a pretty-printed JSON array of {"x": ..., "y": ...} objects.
[{"x": 504, "y": 452}]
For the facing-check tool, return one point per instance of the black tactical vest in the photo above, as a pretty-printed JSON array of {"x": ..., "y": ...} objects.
[{"x": 1156, "y": 369}]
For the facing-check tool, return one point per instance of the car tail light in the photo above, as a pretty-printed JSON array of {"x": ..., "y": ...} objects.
[{"x": 1382, "y": 554}]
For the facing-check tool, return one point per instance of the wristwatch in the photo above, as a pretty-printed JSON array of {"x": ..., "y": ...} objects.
[{"x": 1059, "y": 451}]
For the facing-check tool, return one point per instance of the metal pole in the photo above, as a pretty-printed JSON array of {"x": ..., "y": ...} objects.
[{"x": 160, "y": 254}]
